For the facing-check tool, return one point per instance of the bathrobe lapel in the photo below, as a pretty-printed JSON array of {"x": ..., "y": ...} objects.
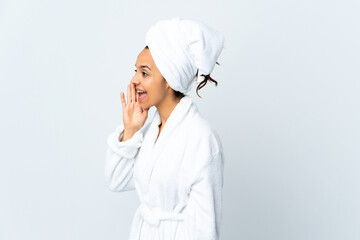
[
  {"x": 174, "y": 120},
  {"x": 151, "y": 151}
]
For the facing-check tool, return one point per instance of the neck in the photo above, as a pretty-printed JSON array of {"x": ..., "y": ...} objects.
[{"x": 165, "y": 108}]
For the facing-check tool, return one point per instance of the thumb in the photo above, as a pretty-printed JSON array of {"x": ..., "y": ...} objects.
[{"x": 145, "y": 111}]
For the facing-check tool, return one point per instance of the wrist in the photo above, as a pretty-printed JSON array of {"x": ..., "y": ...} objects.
[{"x": 127, "y": 134}]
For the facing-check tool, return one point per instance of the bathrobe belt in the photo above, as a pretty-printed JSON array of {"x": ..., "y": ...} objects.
[{"x": 154, "y": 215}]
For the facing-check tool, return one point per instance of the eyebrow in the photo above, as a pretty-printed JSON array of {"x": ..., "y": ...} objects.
[{"x": 144, "y": 66}]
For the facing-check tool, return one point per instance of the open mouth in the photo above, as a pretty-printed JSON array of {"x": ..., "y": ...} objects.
[{"x": 142, "y": 95}]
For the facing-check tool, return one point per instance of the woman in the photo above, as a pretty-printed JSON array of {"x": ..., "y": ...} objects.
[{"x": 175, "y": 162}]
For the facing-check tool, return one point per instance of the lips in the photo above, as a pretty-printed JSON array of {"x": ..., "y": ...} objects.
[{"x": 142, "y": 96}]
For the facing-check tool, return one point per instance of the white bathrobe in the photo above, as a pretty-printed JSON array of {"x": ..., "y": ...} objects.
[{"x": 178, "y": 177}]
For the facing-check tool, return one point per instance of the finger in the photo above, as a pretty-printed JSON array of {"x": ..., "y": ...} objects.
[
  {"x": 128, "y": 95},
  {"x": 145, "y": 111},
  {"x": 135, "y": 100},
  {"x": 137, "y": 96},
  {"x": 122, "y": 97},
  {"x": 137, "y": 105},
  {"x": 132, "y": 93}
]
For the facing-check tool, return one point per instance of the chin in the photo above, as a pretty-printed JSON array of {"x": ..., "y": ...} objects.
[{"x": 145, "y": 106}]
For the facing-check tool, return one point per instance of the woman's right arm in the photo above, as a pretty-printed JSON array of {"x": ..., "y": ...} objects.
[
  {"x": 121, "y": 153},
  {"x": 120, "y": 158}
]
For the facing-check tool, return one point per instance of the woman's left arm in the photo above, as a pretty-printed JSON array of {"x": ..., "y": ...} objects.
[{"x": 205, "y": 201}]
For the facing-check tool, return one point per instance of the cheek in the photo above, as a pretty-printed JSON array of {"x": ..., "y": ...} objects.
[
  {"x": 160, "y": 91},
  {"x": 156, "y": 88}
]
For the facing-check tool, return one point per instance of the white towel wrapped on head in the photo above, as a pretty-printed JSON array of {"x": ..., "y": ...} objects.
[{"x": 181, "y": 47}]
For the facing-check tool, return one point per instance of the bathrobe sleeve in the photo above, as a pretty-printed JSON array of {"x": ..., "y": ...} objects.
[
  {"x": 120, "y": 158},
  {"x": 204, "y": 205}
]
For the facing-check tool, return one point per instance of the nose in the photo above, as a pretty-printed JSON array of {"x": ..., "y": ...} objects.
[{"x": 135, "y": 80}]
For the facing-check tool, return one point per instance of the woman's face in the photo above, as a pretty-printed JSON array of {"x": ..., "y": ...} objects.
[{"x": 149, "y": 79}]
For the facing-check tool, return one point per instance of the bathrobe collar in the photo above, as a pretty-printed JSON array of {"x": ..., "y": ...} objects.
[
  {"x": 177, "y": 115},
  {"x": 152, "y": 150}
]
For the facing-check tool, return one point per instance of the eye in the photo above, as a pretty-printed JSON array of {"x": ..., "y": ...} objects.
[{"x": 144, "y": 73}]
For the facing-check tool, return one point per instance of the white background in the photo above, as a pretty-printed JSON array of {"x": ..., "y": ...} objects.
[{"x": 286, "y": 108}]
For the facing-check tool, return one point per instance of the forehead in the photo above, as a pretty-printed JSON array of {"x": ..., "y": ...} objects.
[{"x": 145, "y": 58}]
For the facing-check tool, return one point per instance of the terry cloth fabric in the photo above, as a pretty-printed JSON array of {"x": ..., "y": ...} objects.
[
  {"x": 178, "y": 179},
  {"x": 181, "y": 47}
]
